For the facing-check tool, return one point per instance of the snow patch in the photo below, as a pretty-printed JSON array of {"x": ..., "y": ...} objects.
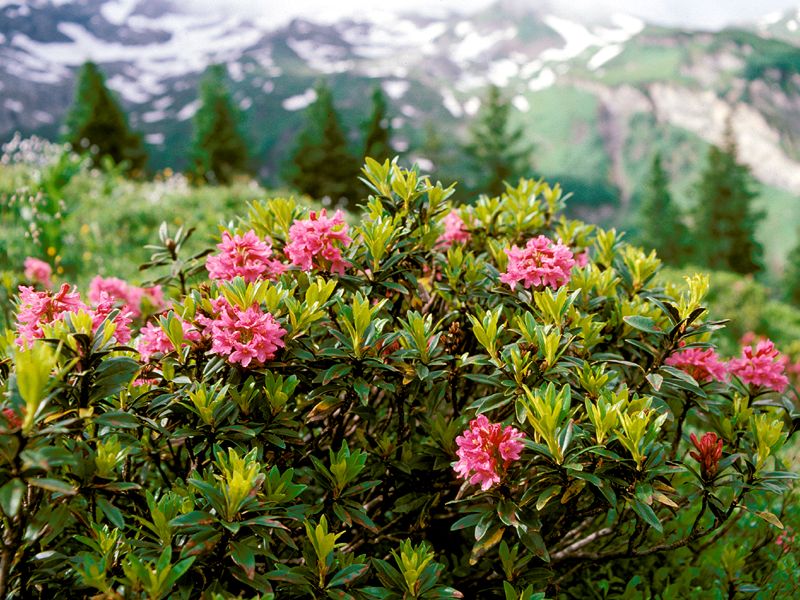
[
  {"x": 154, "y": 116},
  {"x": 188, "y": 111},
  {"x": 245, "y": 103},
  {"x": 300, "y": 101},
  {"x": 521, "y": 103},
  {"x": 472, "y": 106},
  {"x": 396, "y": 89},
  {"x": 603, "y": 55},
  {"x": 545, "y": 79},
  {"x": 502, "y": 71},
  {"x": 117, "y": 11},
  {"x": 13, "y": 105},
  {"x": 451, "y": 104},
  {"x": 154, "y": 138},
  {"x": 475, "y": 44},
  {"x": 791, "y": 25},
  {"x": 268, "y": 87}
]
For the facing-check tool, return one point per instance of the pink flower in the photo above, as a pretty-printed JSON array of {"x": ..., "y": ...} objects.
[
  {"x": 702, "y": 365},
  {"x": 582, "y": 259},
  {"x": 122, "y": 321},
  {"x": 243, "y": 336},
  {"x": 317, "y": 242},
  {"x": 154, "y": 339},
  {"x": 243, "y": 256},
  {"x": 763, "y": 367},
  {"x": 128, "y": 297},
  {"x": 38, "y": 271},
  {"x": 454, "y": 231},
  {"x": 541, "y": 263},
  {"x": 485, "y": 450},
  {"x": 41, "y": 308}
]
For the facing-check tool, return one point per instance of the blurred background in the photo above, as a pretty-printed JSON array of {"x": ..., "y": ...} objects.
[{"x": 678, "y": 121}]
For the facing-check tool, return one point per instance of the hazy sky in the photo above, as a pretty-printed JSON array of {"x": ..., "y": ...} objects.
[{"x": 691, "y": 13}]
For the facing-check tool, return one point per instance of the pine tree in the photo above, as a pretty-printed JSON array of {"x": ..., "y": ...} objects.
[
  {"x": 97, "y": 122},
  {"x": 725, "y": 224},
  {"x": 661, "y": 226},
  {"x": 219, "y": 150},
  {"x": 322, "y": 166},
  {"x": 791, "y": 276},
  {"x": 378, "y": 129},
  {"x": 496, "y": 149}
]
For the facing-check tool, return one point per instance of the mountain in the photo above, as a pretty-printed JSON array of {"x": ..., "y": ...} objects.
[{"x": 595, "y": 98}]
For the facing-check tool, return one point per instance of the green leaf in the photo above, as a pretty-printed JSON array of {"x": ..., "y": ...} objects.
[
  {"x": 11, "y": 497},
  {"x": 111, "y": 512},
  {"x": 769, "y": 518},
  {"x": 643, "y": 323},
  {"x": 647, "y": 514},
  {"x": 53, "y": 485},
  {"x": 348, "y": 575},
  {"x": 547, "y": 495}
]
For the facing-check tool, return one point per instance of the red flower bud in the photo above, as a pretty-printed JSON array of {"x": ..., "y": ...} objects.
[{"x": 709, "y": 451}]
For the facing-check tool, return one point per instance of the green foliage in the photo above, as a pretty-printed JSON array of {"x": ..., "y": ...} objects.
[
  {"x": 218, "y": 150},
  {"x": 791, "y": 277},
  {"x": 725, "y": 222},
  {"x": 326, "y": 471},
  {"x": 496, "y": 147},
  {"x": 321, "y": 164},
  {"x": 378, "y": 129},
  {"x": 97, "y": 124},
  {"x": 661, "y": 226}
]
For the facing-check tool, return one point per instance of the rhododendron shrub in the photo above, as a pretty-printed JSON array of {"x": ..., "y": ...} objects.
[{"x": 404, "y": 408}]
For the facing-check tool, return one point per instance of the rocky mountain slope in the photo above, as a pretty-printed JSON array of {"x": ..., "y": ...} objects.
[{"x": 596, "y": 99}]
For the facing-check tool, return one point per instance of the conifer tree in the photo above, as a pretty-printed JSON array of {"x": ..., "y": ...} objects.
[
  {"x": 219, "y": 150},
  {"x": 661, "y": 226},
  {"x": 725, "y": 223},
  {"x": 496, "y": 148},
  {"x": 791, "y": 276},
  {"x": 322, "y": 165},
  {"x": 97, "y": 122},
  {"x": 378, "y": 132}
]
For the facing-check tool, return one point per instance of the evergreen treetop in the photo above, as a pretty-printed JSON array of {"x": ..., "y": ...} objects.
[
  {"x": 725, "y": 222},
  {"x": 97, "y": 123},
  {"x": 322, "y": 166},
  {"x": 496, "y": 148},
  {"x": 219, "y": 150},
  {"x": 378, "y": 129},
  {"x": 660, "y": 224}
]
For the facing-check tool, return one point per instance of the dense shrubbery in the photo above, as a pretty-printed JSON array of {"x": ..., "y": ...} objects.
[{"x": 487, "y": 402}]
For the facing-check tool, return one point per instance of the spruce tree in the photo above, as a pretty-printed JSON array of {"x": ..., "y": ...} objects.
[
  {"x": 322, "y": 165},
  {"x": 219, "y": 150},
  {"x": 791, "y": 276},
  {"x": 96, "y": 122},
  {"x": 660, "y": 224},
  {"x": 377, "y": 136},
  {"x": 496, "y": 149},
  {"x": 725, "y": 223}
]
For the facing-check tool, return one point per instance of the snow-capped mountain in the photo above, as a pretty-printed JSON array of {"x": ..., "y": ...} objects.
[{"x": 595, "y": 98}]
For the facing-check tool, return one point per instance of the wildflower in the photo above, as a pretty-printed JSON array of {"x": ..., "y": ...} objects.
[
  {"x": 763, "y": 366},
  {"x": 122, "y": 320},
  {"x": 13, "y": 419},
  {"x": 41, "y": 308},
  {"x": 154, "y": 339},
  {"x": 541, "y": 263},
  {"x": 485, "y": 450},
  {"x": 454, "y": 231},
  {"x": 702, "y": 364},
  {"x": 582, "y": 259},
  {"x": 785, "y": 541},
  {"x": 317, "y": 242},
  {"x": 38, "y": 271},
  {"x": 709, "y": 451},
  {"x": 244, "y": 256},
  {"x": 243, "y": 336},
  {"x": 129, "y": 297}
]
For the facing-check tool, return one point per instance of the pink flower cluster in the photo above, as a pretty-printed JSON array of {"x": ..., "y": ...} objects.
[
  {"x": 761, "y": 366},
  {"x": 485, "y": 450},
  {"x": 154, "y": 340},
  {"x": 702, "y": 364},
  {"x": 317, "y": 242},
  {"x": 38, "y": 271},
  {"x": 245, "y": 256},
  {"x": 709, "y": 452},
  {"x": 243, "y": 336},
  {"x": 541, "y": 263},
  {"x": 130, "y": 297},
  {"x": 45, "y": 308},
  {"x": 455, "y": 231}
]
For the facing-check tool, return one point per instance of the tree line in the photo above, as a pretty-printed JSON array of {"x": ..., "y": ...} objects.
[
  {"x": 321, "y": 163},
  {"x": 718, "y": 233}
]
